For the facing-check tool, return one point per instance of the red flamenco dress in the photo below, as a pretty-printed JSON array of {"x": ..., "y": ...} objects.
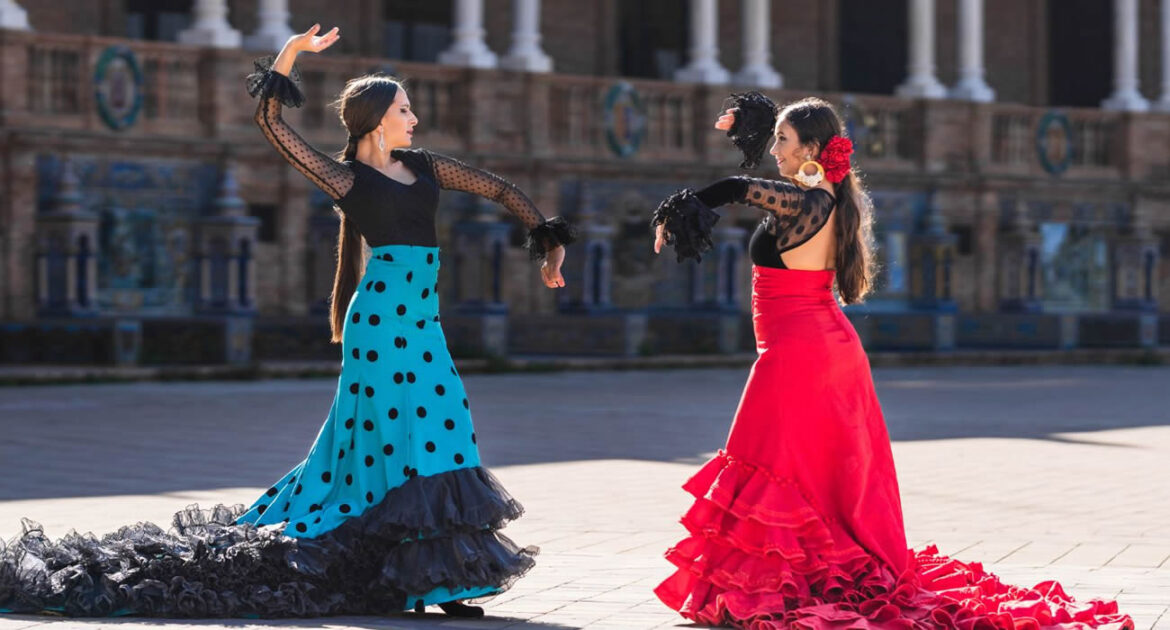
[{"x": 797, "y": 523}]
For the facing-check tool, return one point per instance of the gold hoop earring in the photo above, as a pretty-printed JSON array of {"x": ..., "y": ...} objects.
[{"x": 810, "y": 180}]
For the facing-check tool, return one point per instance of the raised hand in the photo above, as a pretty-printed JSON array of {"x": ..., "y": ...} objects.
[
  {"x": 309, "y": 41},
  {"x": 659, "y": 237},
  {"x": 726, "y": 120},
  {"x": 550, "y": 271}
]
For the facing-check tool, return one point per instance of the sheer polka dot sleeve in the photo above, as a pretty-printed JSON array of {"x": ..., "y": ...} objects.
[
  {"x": 796, "y": 214},
  {"x": 275, "y": 89},
  {"x": 543, "y": 235}
]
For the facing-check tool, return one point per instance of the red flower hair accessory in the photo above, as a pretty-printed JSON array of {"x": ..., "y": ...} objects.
[{"x": 835, "y": 158}]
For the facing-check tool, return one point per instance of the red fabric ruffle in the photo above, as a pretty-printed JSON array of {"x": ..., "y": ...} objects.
[{"x": 761, "y": 556}]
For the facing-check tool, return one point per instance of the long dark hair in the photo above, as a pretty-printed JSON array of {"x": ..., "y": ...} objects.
[
  {"x": 816, "y": 122},
  {"x": 361, "y": 106}
]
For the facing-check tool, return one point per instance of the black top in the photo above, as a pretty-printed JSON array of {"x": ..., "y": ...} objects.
[
  {"x": 795, "y": 214},
  {"x": 385, "y": 210}
]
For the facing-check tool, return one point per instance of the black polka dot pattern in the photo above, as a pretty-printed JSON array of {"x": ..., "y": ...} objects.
[
  {"x": 399, "y": 405},
  {"x": 797, "y": 215}
]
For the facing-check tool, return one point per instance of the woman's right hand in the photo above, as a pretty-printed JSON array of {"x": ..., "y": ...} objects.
[
  {"x": 726, "y": 120},
  {"x": 660, "y": 235},
  {"x": 309, "y": 41}
]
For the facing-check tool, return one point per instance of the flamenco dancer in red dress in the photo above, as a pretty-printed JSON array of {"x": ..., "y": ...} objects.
[{"x": 798, "y": 522}]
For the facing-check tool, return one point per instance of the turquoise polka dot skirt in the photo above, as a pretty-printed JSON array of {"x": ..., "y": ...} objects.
[
  {"x": 389, "y": 509},
  {"x": 398, "y": 451}
]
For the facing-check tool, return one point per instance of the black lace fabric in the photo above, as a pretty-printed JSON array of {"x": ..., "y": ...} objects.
[
  {"x": 755, "y": 122},
  {"x": 276, "y": 90},
  {"x": 436, "y": 531},
  {"x": 542, "y": 235}
]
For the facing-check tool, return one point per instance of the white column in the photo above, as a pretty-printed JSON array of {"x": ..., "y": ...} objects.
[
  {"x": 12, "y": 16},
  {"x": 1163, "y": 104},
  {"x": 704, "y": 64},
  {"x": 921, "y": 83},
  {"x": 469, "y": 48},
  {"x": 971, "y": 85},
  {"x": 757, "y": 54},
  {"x": 1126, "y": 96},
  {"x": 211, "y": 26},
  {"x": 274, "y": 30},
  {"x": 525, "y": 54}
]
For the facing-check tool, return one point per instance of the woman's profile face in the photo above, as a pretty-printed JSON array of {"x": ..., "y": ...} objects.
[
  {"x": 398, "y": 122},
  {"x": 787, "y": 150}
]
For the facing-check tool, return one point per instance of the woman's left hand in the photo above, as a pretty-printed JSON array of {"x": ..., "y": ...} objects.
[{"x": 550, "y": 271}]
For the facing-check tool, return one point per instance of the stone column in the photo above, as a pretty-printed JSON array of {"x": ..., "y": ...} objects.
[
  {"x": 13, "y": 17},
  {"x": 224, "y": 251},
  {"x": 921, "y": 82},
  {"x": 211, "y": 27},
  {"x": 1163, "y": 104},
  {"x": 971, "y": 85},
  {"x": 1019, "y": 262},
  {"x": 469, "y": 48},
  {"x": 704, "y": 63},
  {"x": 274, "y": 30},
  {"x": 67, "y": 248},
  {"x": 1126, "y": 96},
  {"x": 757, "y": 70},
  {"x": 526, "y": 54}
]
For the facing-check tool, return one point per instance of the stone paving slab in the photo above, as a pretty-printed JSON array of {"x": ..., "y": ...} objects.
[{"x": 1040, "y": 473}]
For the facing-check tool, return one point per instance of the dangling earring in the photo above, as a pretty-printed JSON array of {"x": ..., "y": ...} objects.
[
  {"x": 806, "y": 179},
  {"x": 381, "y": 142}
]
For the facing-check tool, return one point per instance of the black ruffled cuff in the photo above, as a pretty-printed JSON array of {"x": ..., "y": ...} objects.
[
  {"x": 755, "y": 120},
  {"x": 548, "y": 235},
  {"x": 689, "y": 223},
  {"x": 269, "y": 83}
]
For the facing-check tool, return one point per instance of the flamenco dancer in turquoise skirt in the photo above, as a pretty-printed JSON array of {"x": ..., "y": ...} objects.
[{"x": 391, "y": 509}]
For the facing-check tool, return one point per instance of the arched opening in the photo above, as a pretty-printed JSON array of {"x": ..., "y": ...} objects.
[
  {"x": 159, "y": 20},
  {"x": 1080, "y": 52},
  {"x": 416, "y": 30},
  {"x": 872, "y": 45},
  {"x": 653, "y": 37}
]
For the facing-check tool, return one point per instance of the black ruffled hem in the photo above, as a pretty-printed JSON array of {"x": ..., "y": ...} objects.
[
  {"x": 755, "y": 120},
  {"x": 269, "y": 83},
  {"x": 548, "y": 235},
  {"x": 689, "y": 223},
  {"x": 437, "y": 531},
  {"x": 483, "y": 558}
]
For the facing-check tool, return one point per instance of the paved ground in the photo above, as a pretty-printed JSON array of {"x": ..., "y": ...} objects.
[{"x": 1040, "y": 472}]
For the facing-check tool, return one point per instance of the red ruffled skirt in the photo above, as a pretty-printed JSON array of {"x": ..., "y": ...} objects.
[{"x": 798, "y": 523}]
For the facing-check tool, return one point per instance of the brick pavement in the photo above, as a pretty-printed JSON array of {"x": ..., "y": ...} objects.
[{"x": 1039, "y": 472}]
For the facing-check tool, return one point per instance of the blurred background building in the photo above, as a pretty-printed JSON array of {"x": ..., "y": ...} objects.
[{"x": 1018, "y": 152}]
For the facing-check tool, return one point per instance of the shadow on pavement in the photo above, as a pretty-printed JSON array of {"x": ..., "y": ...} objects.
[{"x": 150, "y": 438}]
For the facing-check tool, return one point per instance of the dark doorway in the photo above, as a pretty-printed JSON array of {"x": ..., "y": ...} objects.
[
  {"x": 416, "y": 30},
  {"x": 873, "y": 45},
  {"x": 1080, "y": 52},
  {"x": 654, "y": 35},
  {"x": 157, "y": 19}
]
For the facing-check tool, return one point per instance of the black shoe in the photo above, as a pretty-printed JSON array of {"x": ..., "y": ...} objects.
[{"x": 456, "y": 609}]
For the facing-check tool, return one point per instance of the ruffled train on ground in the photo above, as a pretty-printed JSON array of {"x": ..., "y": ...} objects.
[
  {"x": 430, "y": 533},
  {"x": 759, "y": 556}
]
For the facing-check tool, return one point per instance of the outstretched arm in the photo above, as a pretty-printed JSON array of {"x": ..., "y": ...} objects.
[
  {"x": 545, "y": 237},
  {"x": 274, "y": 81},
  {"x": 687, "y": 217}
]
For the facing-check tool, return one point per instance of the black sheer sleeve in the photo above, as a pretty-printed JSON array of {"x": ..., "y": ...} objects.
[
  {"x": 796, "y": 214},
  {"x": 543, "y": 235},
  {"x": 276, "y": 90}
]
